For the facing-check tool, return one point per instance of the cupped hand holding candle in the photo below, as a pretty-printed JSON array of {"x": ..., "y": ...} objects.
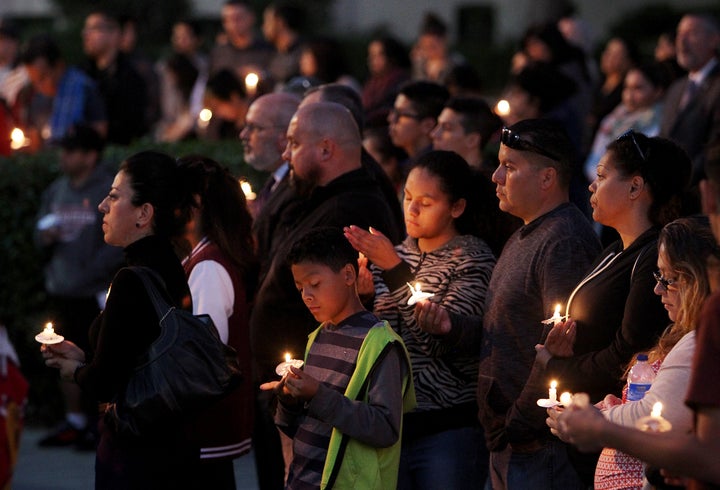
[
  {"x": 417, "y": 294},
  {"x": 284, "y": 367},
  {"x": 48, "y": 335}
]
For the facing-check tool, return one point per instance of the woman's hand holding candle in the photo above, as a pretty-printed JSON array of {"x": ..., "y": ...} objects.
[
  {"x": 374, "y": 245},
  {"x": 64, "y": 356},
  {"x": 560, "y": 340}
]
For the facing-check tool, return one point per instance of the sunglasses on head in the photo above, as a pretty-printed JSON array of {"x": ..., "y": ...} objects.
[
  {"x": 513, "y": 140},
  {"x": 631, "y": 134}
]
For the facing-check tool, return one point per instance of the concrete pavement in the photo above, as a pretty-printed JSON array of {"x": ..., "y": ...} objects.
[{"x": 66, "y": 469}]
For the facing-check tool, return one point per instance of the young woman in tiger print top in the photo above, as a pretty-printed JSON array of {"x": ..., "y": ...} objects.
[{"x": 442, "y": 441}]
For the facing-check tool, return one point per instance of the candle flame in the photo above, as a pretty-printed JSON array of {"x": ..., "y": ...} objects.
[
  {"x": 49, "y": 327},
  {"x": 418, "y": 288},
  {"x": 205, "y": 115},
  {"x": 251, "y": 80},
  {"x": 553, "y": 384},
  {"x": 566, "y": 399},
  {"x": 557, "y": 310},
  {"x": 656, "y": 409},
  {"x": 502, "y": 108},
  {"x": 247, "y": 190},
  {"x": 17, "y": 139},
  {"x": 287, "y": 357}
]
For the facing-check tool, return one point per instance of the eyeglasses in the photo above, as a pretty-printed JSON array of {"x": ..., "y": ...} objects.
[
  {"x": 513, "y": 140},
  {"x": 256, "y": 127},
  {"x": 631, "y": 134},
  {"x": 665, "y": 283},
  {"x": 396, "y": 114}
]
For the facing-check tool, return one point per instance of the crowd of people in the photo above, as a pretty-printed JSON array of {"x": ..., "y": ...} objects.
[{"x": 409, "y": 241}]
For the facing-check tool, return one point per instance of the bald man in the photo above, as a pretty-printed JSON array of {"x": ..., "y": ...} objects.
[
  {"x": 323, "y": 150},
  {"x": 349, "y": 98}
]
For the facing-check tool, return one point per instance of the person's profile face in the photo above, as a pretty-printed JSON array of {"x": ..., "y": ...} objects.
[
  {"x": 261, "y": 138},
  {"x": 518, "y": 183},
  {"x": 326, "y": 293},
  {"x": 449, "y": 134},
  {"x": 303, "y": 154},
  {"x": 610, "y": 193},
  {"x": 120, "y": 215}
]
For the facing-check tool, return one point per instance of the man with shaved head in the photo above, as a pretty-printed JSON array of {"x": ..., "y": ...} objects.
[{"x": 323, "y": 149}]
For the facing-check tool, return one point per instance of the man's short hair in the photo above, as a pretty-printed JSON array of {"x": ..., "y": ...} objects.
[
  {"x": 475, "y": 116},
  {"x": 427, "y": 98},
  {"x": 325, "y": 246},
  {"x": 343, "y": 95},
  {"x": 552, "y": 138}
]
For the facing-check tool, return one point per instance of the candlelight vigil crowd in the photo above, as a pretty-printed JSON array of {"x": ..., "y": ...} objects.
[{"x": 430, "y": 290}]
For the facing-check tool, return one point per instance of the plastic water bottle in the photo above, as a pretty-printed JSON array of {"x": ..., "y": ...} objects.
[{"x": 640, "y": 378}]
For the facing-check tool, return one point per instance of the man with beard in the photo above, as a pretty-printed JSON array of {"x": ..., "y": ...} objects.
[
  {"x": 324, "y": 151},
  {"x": 264, "y": 141}
]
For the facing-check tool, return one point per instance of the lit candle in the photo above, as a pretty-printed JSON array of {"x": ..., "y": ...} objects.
[
  {"x": 656, "y": 410},
  {"x": 556, "y": 318},
  {"x": 48, "y": 335},
  {"x": 502, "y": 108},
  {"x": 417, "y": 294},
  {"x": 251, "y": 83},
  {"x": 284, "y": 367},
  {"x": 655, "y": 421},
  {"x": 18, "y": 139},
  {"x": 204, "y": 118},
  {"x": 566, "y": 399},
  {"x": 247, "y": 190},
  {"x": 551, "y": 400}
]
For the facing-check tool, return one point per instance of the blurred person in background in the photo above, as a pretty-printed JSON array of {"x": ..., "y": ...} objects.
[
  {"x": 72, "y": 96},
  {"x": 121, "y": 86},
  {"x": 239, "y": 48},
  {"x": 283, "y": 22},
  {"x": 388, "y": 65}
]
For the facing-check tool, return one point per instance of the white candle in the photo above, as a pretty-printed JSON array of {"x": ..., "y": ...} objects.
[
  {"x": 251, "y": 83},
  {"x": 502, "y": 108},
  {"x": 654, "y": 422},
  {"x": 48, "y": 335},
  {"x": 657, "y": 410},
  {"x": 18, "y": 139},
  {"x": 247, "y": 190},
  {"x": 284, "y": 367},
  {"x": 417, "y": 294},
  {"x": 566, "y": 399},
  {"x": 553, "y": 391},
  {"x": 556, "y": 318}
]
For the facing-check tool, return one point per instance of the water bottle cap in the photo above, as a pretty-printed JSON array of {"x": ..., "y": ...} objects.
[{"x": 642, "y": 357}]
